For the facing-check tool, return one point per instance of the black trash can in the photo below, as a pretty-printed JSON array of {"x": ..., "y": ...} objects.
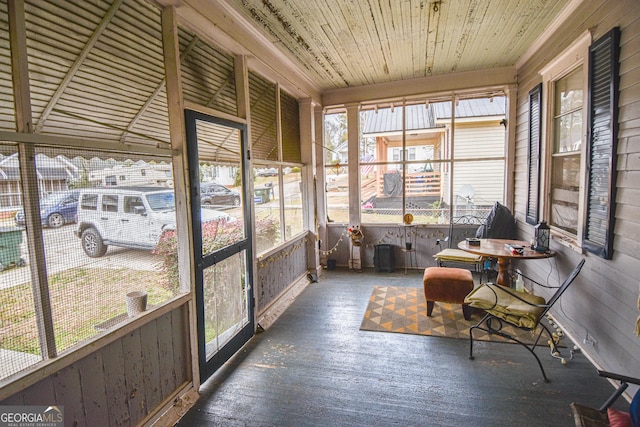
[{"x": 383, "y": 258}]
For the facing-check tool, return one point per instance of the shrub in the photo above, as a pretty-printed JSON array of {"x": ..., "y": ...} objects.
[{"x": 215, "y": 235}]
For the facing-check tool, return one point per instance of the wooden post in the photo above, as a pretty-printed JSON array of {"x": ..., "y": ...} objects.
[
  {"x": 353, "y": 130},
  {"x": 309, "y": 193},
  {"x": 29, "y": 179},
  {"x": 175, "y": 106}
]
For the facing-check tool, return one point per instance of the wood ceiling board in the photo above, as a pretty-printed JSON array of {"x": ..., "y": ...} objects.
[
  {"x": 364, "y": 42},
  {"x": 225, "y": 27}
]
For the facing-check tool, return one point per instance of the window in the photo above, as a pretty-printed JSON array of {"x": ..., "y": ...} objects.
[
  {"x": 89, "y": 268},
  {"x": 133, "y": 204},
  {"x": 110, "y": 203},
  {"x": 336, "y": 168},
  {"x": 277, "y": 173},
  {"x": 564, "y": 87},
  {"x": 89, "y": 202},
  {"x": 566, "y": 152},
  {"x": 582, "y": 84},
  {"x": 432, "y": 165}
]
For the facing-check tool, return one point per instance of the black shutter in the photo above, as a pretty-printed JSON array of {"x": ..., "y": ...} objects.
[
  {"x": 601, "y": 143},
  {"x": 533, "y": 155}
]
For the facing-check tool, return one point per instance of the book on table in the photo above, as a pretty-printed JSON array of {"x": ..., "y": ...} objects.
[{"x": 514, "y": 248}]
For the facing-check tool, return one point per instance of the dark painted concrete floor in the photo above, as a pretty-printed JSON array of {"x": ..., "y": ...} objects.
[{"x": 314, "y": 367}]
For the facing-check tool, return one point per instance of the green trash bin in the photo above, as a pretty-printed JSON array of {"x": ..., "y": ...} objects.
[
  {"x": 262, "y": 195},
  {"x": 10, "y": 239}
]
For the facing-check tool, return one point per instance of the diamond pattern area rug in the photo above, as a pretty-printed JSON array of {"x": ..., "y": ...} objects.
[{"x": 404, "y": 310}]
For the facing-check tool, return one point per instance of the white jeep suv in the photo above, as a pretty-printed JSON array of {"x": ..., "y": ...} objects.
[{"x": 130, "y": 217}]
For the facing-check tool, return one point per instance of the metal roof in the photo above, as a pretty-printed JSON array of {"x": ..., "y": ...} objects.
[
  {"x": 421, "y": 116},
  {"x": 46, "y": 167}
]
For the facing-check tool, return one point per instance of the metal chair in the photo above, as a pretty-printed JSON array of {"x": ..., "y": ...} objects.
[
  {"x": 521, "y": 310},
  {"x": 452, "y": 257},
  {"x": 586, "y": 416}
]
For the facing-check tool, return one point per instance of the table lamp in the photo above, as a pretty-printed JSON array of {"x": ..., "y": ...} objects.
[{"x": 542, "y": 234}]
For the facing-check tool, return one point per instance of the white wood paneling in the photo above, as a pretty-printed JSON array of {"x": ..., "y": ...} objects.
[
  {"x": 347, "y": 44},
  {"x": 603, "y": 302}
]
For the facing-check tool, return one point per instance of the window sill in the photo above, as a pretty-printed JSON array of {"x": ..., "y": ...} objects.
[{"x": 567, "y": 241}]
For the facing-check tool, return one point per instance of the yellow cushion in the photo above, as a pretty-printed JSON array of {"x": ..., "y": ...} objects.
[
  {"x": 500, "y": 303},
  {"x": 457, "y": 255}
]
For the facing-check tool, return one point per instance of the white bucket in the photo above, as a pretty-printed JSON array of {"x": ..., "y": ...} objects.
[{"x": 136, "y": 303}]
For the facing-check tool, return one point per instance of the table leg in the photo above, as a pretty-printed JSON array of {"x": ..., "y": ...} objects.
[{"x": 503, "y": 278}]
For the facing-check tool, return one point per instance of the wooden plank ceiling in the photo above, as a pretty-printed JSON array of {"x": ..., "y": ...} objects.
[{"x": 360, "y": 42}]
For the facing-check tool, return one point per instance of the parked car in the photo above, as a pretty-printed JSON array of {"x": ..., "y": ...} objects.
[
  {"x": 218, "y": 195},
  {"x": 133, "y": 217},
  {"x": 268, "y": 172},
  {"x": 56, "y": 209}
]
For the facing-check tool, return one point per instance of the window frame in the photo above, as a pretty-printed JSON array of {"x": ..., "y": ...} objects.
[
  {"x": 284, "y": 149},
  {"x": 573, "y": 57},
  {"x": 447, "y": 162}
]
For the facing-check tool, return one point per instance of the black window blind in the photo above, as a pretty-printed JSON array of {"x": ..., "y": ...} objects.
[
  {"x": 533, "y": 155},
  {"x": 601, "y": 144}
]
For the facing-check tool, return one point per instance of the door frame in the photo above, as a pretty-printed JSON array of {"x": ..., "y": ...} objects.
[{"x": 208, "y": 367}]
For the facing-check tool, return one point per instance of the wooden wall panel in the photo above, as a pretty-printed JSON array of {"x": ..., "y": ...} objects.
[
  {"x": 133, "y": 357},
  {"x": 179, "y": 334},
  {"x": 121, "y": 383},
  {"x": 601, "y": 306},
  {"x": 40, "y": 395},
  {"x": 66, "y": 385},
  {"x": 116, "y": 389},
  {"x": 278, "y": 271},
  {"x": 165, "y": 349},
  {"x": 151, "y": 364},
  {"x": 93, "y": 389}
]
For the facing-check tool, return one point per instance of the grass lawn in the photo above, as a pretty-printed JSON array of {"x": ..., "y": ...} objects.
[{"x": 80, "y": 298}]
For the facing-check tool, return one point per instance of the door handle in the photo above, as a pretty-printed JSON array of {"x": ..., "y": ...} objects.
[{"x": 124, "y": 220}]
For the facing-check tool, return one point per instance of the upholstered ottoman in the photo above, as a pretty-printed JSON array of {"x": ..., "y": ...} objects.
[{"x": 449, "y": 285}]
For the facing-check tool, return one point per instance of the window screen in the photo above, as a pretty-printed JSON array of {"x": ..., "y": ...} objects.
[{"x": 94, "y": 253}]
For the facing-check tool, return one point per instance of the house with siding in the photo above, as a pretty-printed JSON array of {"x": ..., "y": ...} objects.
[
  {"x": 199, "y": 84},
  {"x": 478, "y": 128},
  {"x": 54, "y": 174}
]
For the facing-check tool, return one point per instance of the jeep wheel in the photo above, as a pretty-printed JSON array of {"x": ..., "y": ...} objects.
[
  {"x": 236, "y": 201},
  {"x": 55, "y": 220},
  {"x": 92, "y": 243}
]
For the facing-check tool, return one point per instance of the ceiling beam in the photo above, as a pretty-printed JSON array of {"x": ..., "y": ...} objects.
[
  {"x": 156, "y": 92},
  {"x": 77, "y": 64},
  {"x": 453, "y": 82}
]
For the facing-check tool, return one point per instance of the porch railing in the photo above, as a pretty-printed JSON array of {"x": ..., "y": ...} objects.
[{"x": 417, "y": 184}]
